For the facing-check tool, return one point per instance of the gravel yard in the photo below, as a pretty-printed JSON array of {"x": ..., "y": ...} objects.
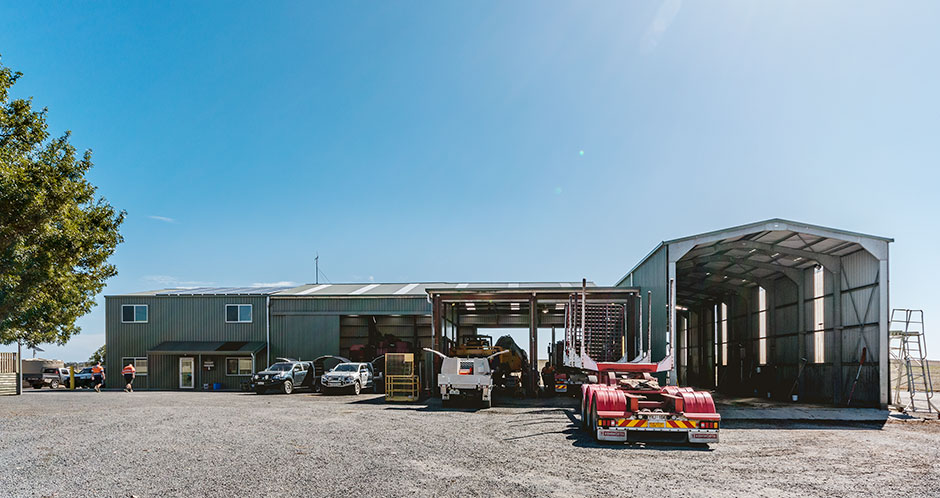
[{"x": 59, "y": 443}]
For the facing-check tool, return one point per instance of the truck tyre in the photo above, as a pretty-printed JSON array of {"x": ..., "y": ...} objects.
[
  {"x": 356, "y": 388},
  {"x": 287, "y": 387},
  {"x": 593, "y": 418},
  {"x": 54, "y": 384},
  {"x": 446, "y": 403},
  {"x": 488, "y": 403}
]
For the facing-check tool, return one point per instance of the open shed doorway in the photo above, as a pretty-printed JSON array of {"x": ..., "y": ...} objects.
[
  {"x": 775, "y": 309},
  {"x": 474, "y": 309}
]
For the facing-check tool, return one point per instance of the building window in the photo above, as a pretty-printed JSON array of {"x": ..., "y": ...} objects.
[
  {"x": 762, "y": 325},
  {"x": 140, "y": 364},
  {"x": 133, "y": 313},
  {"x": 819, "y": 315},
  {"x": 724, "y": 334},
  {"x": 238, "y": 366},
  {"x": 237, "y": 313}
]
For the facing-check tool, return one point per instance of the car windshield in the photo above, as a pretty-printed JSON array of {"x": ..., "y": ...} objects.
[
  {"x": 280, "y": 367},
  {"x": 86, "y": 370},
  {"x": 346, "y": 367}
]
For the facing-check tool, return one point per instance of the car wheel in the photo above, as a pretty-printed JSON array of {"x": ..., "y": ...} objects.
[
  {"x": 288, "y": 387},
  {"x": 357, "y": 388},
  {"x": 54, "y": 384}
]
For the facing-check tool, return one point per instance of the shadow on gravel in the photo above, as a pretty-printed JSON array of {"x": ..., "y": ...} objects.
[{"x": 802, "y": 425}]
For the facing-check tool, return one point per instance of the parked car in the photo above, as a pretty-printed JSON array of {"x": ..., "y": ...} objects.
[
  {"x": 351, "y": 377},
  {"x": 83, "y": 379},
  {"x": 51, "y": 377},
  {"x": 284, "y": 376}
]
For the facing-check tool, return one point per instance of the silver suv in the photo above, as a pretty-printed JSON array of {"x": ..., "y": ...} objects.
[{"x": 350, "y": 377}]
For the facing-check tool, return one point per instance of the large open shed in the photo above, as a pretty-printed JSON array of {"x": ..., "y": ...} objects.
[{"x": 773, "y": 309}]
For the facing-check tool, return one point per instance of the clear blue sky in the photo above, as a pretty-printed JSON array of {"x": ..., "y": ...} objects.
[{"x": 412, "y": 141}]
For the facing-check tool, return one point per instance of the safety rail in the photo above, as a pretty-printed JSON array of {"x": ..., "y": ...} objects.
[{"x": 401, "y": 388}]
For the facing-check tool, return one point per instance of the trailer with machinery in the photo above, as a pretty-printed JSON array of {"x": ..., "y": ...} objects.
[
  {"x": 621, "y": 399},
  {"x": 469, "y": 379}
]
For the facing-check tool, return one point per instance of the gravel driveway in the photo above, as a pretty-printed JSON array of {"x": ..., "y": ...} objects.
[{"x": 59, "y": 443}]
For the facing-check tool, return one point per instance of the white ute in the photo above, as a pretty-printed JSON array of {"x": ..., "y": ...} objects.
[{"x": 469, "y": 378}]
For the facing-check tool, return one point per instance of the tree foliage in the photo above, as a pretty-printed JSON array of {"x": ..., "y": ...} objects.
[
  {"x": 97, "y": 356},
  {"x": 56, "y": 235}
]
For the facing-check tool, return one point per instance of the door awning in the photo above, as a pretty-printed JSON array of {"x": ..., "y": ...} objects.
[{"x": 234, "y": 348}]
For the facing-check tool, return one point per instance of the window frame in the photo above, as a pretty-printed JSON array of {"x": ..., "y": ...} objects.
[
  {"x": 137, "y": 368},
  {"x": 238, "y": 313},
  {"x": 135, "y": 306},
  {"x": 237, "y": 368}
]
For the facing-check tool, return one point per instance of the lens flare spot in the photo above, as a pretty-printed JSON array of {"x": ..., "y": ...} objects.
[{"x": 580, "y": 152}]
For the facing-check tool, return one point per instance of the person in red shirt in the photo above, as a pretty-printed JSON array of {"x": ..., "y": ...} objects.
[
  {"x": 129, "y": 373},
  {"x": 97, "y": 374}
]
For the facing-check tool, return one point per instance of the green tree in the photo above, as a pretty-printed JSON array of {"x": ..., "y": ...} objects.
[
  {"x": 56, "y": 235},
  {"x": 97, "y": 356}
]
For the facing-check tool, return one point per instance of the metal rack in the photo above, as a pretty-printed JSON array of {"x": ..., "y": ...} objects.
[
  {"x": 604, "y": 326},
  {"x": 908, "y": 352}
]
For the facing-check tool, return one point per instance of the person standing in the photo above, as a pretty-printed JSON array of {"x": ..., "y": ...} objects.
[
  {"x": 97, "y": 376},
  {"x": 129, "y": 373}
]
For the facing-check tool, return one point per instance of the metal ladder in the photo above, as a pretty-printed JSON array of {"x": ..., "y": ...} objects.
[{"x": 908, "y": 352}]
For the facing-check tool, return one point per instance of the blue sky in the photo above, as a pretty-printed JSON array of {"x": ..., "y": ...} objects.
[{"x": 411, "y": 141}]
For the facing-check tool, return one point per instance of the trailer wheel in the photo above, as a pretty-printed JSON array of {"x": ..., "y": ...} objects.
[
  {"x": 593, "y": 418},
  {"x": 446, "y": 403}
]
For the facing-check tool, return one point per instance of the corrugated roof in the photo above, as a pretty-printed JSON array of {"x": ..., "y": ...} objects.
[
  {"x": 786, "y": 243},
  {"x": 409, "y": 289}
]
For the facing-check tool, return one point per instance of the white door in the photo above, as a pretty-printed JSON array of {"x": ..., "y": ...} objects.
[{"x": 186, "y": 373}]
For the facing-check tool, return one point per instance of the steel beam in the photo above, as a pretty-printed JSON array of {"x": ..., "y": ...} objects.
[
  {"x": 823, "y": 259},
  {"x": 791, "y": 273}
]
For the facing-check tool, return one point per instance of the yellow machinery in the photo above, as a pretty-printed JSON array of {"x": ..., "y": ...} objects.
[
  {"x": 401, "y": 383},
  {"x": 475, "y": 346}
]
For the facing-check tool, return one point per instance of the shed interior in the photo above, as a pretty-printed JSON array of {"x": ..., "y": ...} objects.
[{"x": 780, "y": 312}]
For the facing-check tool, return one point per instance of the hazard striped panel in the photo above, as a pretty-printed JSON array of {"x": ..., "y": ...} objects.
[{"x": 680, "y": 424}]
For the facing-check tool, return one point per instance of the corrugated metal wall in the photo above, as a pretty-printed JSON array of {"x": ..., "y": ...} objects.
[
  {"x": 304, "y": 337},
  {"x": 173, "y": 318},
  {"x": 652, "y": 276}
]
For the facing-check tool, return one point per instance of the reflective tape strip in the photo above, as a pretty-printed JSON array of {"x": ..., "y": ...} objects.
[{"x": 680, "y": 424}]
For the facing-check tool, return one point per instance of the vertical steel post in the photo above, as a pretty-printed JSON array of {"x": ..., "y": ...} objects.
[
  {"x": 19, "y": 367},
  {"x": 801, "y": 333},
  {"x": 837, "y": 377},
  {"x": 533, "y": 345}
]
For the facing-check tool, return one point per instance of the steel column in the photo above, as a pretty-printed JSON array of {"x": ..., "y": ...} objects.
[
  {"x": 533, "y": 346},
  {"x": 837, "y": 379},
  {"x": 801, "y": 331}
]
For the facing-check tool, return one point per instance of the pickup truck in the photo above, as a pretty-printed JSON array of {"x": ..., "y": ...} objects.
[
  {"x": 51, "y": 377},
  {"x": 284, "y": 376},
  {"x": 352, "y": 377}
]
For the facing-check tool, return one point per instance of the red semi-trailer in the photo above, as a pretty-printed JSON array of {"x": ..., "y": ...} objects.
[{"x": 621, "y": 400}]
